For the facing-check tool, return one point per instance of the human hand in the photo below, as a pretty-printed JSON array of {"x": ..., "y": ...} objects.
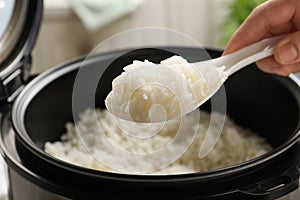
[{"x": 274, "y": 17}]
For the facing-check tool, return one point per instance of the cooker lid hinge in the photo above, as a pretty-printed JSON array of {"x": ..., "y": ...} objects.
[{"x": 13, "y": 84}]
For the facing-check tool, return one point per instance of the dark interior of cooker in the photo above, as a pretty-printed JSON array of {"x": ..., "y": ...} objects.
[{"x": 267, "y": 104}]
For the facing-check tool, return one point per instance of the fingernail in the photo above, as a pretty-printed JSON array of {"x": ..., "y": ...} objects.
[{"x": 288, "y": 53}]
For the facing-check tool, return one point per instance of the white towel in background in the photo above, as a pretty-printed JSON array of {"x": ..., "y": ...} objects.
[{"x": 95, "y": 14}]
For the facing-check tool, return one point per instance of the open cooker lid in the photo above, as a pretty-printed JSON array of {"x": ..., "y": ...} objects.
[{"x": 20, "y": 20}]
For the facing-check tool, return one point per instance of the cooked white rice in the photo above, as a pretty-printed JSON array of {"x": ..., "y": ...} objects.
[
  {"x": 235, "y": 145},
  {"x": 176, "y": 85}
]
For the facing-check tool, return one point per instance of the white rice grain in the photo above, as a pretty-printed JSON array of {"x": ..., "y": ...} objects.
[{"x": 234, "y": 146}]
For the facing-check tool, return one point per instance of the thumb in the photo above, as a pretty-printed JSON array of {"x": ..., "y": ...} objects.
[{"x": 287, "y": 51}]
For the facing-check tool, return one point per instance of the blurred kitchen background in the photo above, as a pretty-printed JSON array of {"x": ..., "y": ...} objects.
[{"x": 72, "y": 28}]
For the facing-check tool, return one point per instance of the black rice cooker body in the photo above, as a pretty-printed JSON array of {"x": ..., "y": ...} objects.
[{"x": 265, "y": 103}]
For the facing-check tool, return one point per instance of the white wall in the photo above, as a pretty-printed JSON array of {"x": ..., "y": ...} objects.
[{"x": 63, "y": 36}]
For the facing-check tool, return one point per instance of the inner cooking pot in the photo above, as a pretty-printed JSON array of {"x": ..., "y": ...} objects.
[{"x": 267, "y": 104}]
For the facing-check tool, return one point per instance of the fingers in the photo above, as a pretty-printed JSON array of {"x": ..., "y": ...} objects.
[
  {"x": 270, "y": 65},
  {"x": 286, "y": 57},
  {"x": 270, "y": 18},
  {"x": 274, "y": 17},
  {"x": 287, "y": 50}
]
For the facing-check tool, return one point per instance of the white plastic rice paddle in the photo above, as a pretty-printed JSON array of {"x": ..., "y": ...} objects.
[
  {"x": 157, "y": 92},
  {"x": 234, "y": 62}
]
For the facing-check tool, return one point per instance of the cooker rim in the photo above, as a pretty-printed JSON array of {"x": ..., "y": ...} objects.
[
  {"x": 37, "y": 84},
  {"x": 60, "y": 189},
  {"x": 16, "y": 165}
]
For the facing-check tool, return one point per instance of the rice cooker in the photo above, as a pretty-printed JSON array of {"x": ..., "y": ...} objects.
[{"x": 34, "y": 109}]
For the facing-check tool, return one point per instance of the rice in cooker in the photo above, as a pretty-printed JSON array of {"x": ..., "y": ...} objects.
[{"x": 235, "y": 145}]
